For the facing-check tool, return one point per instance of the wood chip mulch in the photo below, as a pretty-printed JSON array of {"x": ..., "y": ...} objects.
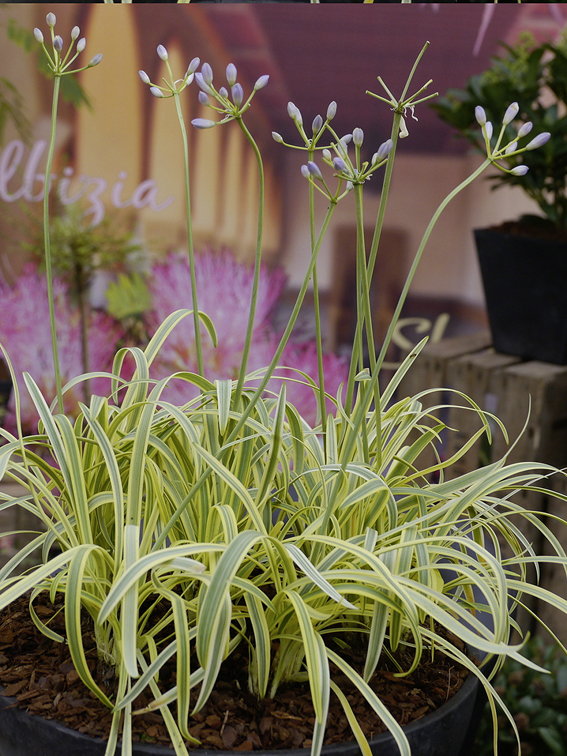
[{"x": 39, "y": 674}]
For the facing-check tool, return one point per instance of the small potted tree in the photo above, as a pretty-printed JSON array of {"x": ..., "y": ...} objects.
[{"x": 523, "y": 261}]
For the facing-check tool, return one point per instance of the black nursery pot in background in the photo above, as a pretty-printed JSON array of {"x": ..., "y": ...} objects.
[{"x": 525, "y": 286}]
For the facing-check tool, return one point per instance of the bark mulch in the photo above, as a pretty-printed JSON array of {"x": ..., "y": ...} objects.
[{"x": 39, "y": 674}]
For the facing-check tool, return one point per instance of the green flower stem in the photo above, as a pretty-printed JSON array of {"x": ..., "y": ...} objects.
[
  {"x": 359, "y": 417},
  {"x": 47, "y": 242},
  {"x": 196, "y": 321},
  {"x": 317, "y": 307},
  {"x": 257, "y": 263},
  {"x": 419, "y": 253}
]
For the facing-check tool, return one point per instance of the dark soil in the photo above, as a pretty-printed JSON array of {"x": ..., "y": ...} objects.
[
  {"x": 39, "y": 674},
  {"x": 533, "y": 229}
]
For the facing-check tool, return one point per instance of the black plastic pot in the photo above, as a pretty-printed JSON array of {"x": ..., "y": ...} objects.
[
  {"x": 449, "y": 731},
  {"x": 525, "y": 286}
]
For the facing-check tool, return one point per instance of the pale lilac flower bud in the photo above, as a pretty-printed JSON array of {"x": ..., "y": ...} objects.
[
  {"x": 331, "y": 111},
  {"x": 511, "y": 112},
  {"x": 317, "y": 124},
  {"x": 204, "y": 98},
  {"x": 261, "y": 83},
  {"x": 203, "y": 85},
  {"x": 488, "y": 130},
  {"x": 384, "y": 149},
  {"x": 327, "y": 154},
  {"x": 38, "y": 35},
  {"x": 339, "y": 164},
  {"x": 144, "y": 77},
  {"x": 512, "y": 147},
  {"x": 203, "y": 123},
  {"x": 520, "y": 170},
  {"x": 480, "y": 115},
  {"x": 277, "y": 137},
  {"x": 162, "y": 52},
  {"x": 58, "y": 43},
  {"x": 538, "y": 141},
  {"x": 305, "y": 171},
  {"x": 231, "y": 74},
  {"x": 193, "y": 66},
  {"x": 294, "y": 113},
  {"x": 95, "y": 60},
  {"x": 81, "y": 44},
  {"x": 207, "y": 73},
  {"x": 237, "y": 95},
  {"x": 346, "y": 139},
  {"x": 358, "y": 136},
  {"x": 51, "y": 20},
  {"x": 156, "y": 92},
  {"x": 525, "y": 129},
  {"x": 75, "y": 31},
  {"x": 223, "y": 91},
  {"x": 313, "y": 169}
]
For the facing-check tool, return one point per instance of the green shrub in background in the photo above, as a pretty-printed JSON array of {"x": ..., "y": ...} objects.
[{"x": 537, "y": 702}]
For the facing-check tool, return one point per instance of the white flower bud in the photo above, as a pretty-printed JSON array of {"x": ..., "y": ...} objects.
[
  {"x": 294, "y": 113},
  {"x": 81, "y": 44},
  {"x": 277, "y": 137},
  {"x": 193, "y": 66},
  {"x": 156, "y": 92},
  {"x": 203, "y": 85},
  {"x": 261, "y": 82},
  {"x": 203, "y": 123},
  {"x": 327, "y": 154},
  {"x": 358, "y": 137},
  {"x": 314, "y": 170},
  {"x": 144, "y": 77},
  {"x": 349, "y": 186},
  {"x": 331, "y": 111},
  {"x": 525, "y": 129},
  {"x": 520, "y": 170},
  {"x": 95, "y": 60},
  {"x": 237, "y": 94},
  {"x": 231, "y": 74},
  {"x": 512, "y": 147},
  {"x": 38, "y": 35},
  {"x": 51, "y": 20},
  {"x": 162, "y": 52},
  {"x": 207, "y": 73},
  {"x": 511, "y": 112},
  {"x": 480, "y": 115},
  {"x": 75, "y": 31},
  {"x": 538, "y": 141},
  {"x": 488, "y": 130},
  {"x": 305, "y": 171}
]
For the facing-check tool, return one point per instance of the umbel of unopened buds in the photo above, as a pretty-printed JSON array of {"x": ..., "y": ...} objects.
[
  {"x": 173, "y": 86},
  {"x": 58, "y": 62},
  {"x": 228, "y": 102},
  {"x": 510, "y": 148}
]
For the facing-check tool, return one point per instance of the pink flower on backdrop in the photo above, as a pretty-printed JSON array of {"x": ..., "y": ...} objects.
[
  {"x": 224, "y": 288},
  {"x": 25, "y": 334},
  {"x": 303, "y": 356}
]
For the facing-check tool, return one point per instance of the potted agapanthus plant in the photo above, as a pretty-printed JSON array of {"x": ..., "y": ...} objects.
[
  {"x": 523, "y": 261},
  {"x": 227, "y": 553}
]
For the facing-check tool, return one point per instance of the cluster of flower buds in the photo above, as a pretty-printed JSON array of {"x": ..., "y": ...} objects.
[
  {"x": 511, "y": 148},
  {"x": 353, "y": 172},
  {"x": 229, "y": 102},
  {"x": 318, "y": 126},
  {"x": 59, "y": 63},
  {"x": 173, "y": 87}
]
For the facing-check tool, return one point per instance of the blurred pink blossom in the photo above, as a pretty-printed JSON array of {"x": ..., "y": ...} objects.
[
  {"x": 224, "y": 288},
  {"x": 25, "y": 334}
]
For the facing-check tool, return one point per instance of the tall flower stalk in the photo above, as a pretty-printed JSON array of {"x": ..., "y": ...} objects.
[{"x": 60, "y": 65}]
